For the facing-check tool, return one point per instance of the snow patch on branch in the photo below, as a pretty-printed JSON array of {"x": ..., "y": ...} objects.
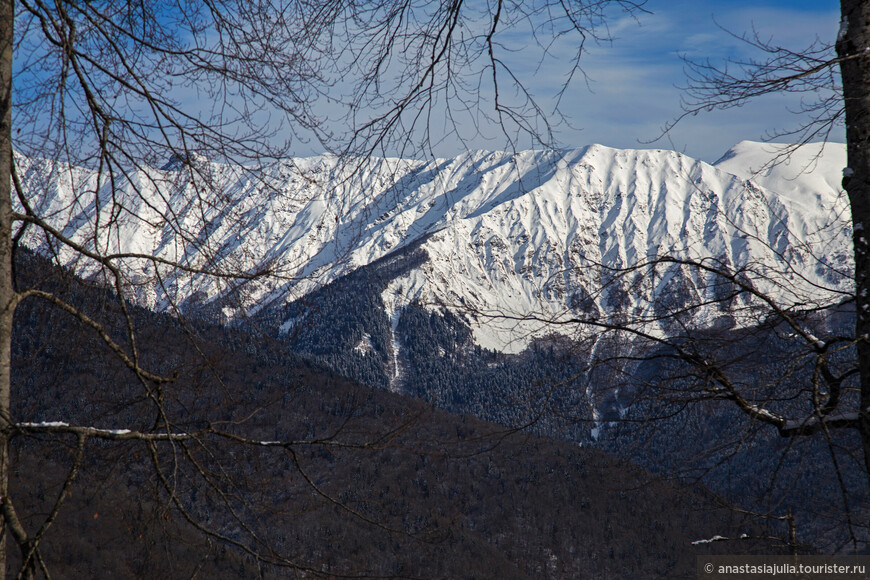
[
  {"x": 127, "y": 434},
  {"x": 718, "y": 538},
  {"x": 793, "y": 424},
  {"x": 97, "y": 432},
  {"x": 764, "y": 413},
  {"x": 817, "y": 342},
  {"x": 709, "y": 541}
]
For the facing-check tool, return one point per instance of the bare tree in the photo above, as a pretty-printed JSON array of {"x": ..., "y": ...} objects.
[
  {"x": 119, "y": 87},
  {"x": 840, "y": 100},
  {"x": 790, "y": 366}
]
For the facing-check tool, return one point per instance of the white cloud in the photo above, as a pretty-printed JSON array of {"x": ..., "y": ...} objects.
[
  {"x": 633, "y": 81},
  {"x": 634, "y": 88}
]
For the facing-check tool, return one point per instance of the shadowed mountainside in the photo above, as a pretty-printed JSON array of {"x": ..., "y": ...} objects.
[{"x": 376, "y": 483}]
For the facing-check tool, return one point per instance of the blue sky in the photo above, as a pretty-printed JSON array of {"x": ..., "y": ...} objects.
[
  {"x": 632, "y": 85},
  {"x": 631, "y": 89},
  {"x": 634, "y": 81}
]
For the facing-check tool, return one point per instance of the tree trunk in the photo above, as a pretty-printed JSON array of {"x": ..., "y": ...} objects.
[
  {"x": 852, "y": 40},
  {"x": 7, "y": 292}
]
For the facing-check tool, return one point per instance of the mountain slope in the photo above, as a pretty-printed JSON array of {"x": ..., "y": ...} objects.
[
  {"x": 516, "y": 234},
  {"x": 433, "y": 496}
]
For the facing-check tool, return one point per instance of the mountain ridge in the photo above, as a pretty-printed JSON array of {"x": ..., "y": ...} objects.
[{"x": 532, "y": 233}]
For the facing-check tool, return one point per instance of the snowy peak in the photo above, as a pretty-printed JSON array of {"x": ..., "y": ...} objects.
[
  {"x": 543, "y": 233},
  {"x": 810, "y": 171},
  {"x": 582, "y": 218}
]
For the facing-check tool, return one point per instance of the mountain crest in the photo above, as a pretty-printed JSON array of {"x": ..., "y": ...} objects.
[{"x": 536, "y": 232}]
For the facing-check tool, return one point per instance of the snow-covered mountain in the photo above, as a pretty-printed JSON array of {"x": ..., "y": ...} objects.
[{"x": 538, "y": 232}]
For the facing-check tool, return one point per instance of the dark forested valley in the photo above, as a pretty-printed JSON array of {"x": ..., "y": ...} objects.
[{"x": 368, "y": 483}]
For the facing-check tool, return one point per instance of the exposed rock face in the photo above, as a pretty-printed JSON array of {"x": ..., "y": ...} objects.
[{"x": 534, "y": 232}]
